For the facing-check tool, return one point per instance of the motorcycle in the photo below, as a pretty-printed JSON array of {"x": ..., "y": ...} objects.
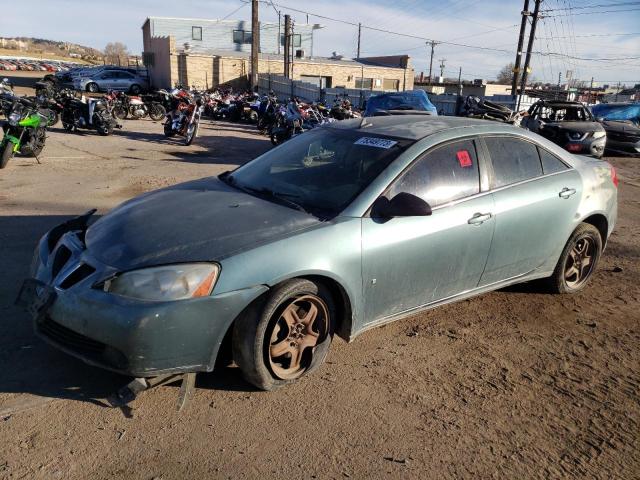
[
  {"x": 24, "y": 131},
  {"x": 91, "y": 114},
  {"x": 184, "y": 118},
  {"x": 135, "y": 106}
]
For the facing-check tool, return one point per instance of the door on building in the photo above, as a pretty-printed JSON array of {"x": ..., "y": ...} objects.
[{"x": 319, "y": 80}]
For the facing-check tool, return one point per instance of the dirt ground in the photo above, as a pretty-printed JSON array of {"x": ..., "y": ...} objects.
[{"x": 514, "y": 384}]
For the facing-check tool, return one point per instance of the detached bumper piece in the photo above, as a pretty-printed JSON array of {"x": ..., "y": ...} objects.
[{"x": 130, "y": 391}]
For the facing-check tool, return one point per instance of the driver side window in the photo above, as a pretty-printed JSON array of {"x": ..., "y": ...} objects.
[{"x": 442, "y": 175}]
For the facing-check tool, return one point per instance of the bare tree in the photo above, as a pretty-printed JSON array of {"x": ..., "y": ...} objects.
[
  {"x": 116, "y": 53},
  {"x": 505, "y": 76}
]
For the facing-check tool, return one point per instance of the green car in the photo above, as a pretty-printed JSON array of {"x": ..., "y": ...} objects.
[{"x": 341, "y": 229}]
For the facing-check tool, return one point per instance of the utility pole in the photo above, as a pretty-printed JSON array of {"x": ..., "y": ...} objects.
[
  {"x": 359, "y": 33},
  {"x": 516, "y": 66},
  {"x": 279, "y": 32},
  {"x": 287, "y": 44},
  {"x": 559, "y": 83},
  {"x": 255, "y": 44},
  {"x": 442, "y": 60},
  {"x": 527, "y": 60},
  {"x": 433, "y": 45},
  {"x": 590, "y": 88}
]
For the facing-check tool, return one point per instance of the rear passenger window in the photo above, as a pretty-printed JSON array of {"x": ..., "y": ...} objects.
[
  {"x": 550, "y": 163},
  {"x": 513, "y": 160},
  {"x": 445, "y": 174}
]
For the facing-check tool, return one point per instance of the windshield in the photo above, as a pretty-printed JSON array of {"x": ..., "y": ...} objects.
[
  {"x": 412, "y": 100},
  {"x": 320, "y": 171},
  {"x": 617, "y": 112}
]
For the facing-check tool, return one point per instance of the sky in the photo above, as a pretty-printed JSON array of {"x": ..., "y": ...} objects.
[{"x": 602, "y": 42}]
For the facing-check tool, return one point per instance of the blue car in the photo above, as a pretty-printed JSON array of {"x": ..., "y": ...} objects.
[{"x": 411, "y": 100}]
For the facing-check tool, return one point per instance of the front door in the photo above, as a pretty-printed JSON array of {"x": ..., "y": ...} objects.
[{"x": 413, "y": 261}]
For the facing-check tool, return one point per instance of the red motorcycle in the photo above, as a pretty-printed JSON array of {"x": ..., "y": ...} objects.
[{"x": 184, "y": 118}]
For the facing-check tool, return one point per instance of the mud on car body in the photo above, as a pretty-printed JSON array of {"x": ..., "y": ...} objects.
[{"x": 337, "y": 231}]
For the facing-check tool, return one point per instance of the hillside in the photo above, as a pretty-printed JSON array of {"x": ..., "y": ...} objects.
[{"x": 38, "y": 47}]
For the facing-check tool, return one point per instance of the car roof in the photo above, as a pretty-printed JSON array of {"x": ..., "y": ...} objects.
[
  {"x": 560, "y": 103},
  {"x": 412, "y": 127}
]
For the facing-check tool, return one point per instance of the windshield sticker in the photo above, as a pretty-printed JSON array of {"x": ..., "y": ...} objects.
[
  {"x": 375, "y": 142},
  {"x": 464, "y": 159}
]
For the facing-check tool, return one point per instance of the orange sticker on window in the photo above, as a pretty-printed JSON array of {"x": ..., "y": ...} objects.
[{"x": 464, "y": 159}]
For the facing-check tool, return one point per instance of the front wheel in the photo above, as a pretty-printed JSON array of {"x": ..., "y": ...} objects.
[
  {"x": 53, "y": 118},
  {"x": 135, "y": 89},
  {"x": 119, "y": 112},
  {"x": 93, "y": 87},
  {"x": 578, "y": 260},
  {"x": 192, "y": 132},
  {"x": 287, "y": 336},
  {"x": 7, "y": 153}
]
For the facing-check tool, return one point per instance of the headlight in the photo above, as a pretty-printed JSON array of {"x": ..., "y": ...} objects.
[
  {"x": 576, "y": 135},
  {"x": 599, "y": 134},
  {"x": 14, "y": 118},
  {"x": 170, "y": 282}
]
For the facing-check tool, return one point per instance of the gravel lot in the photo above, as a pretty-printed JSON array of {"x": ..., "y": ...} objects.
[{"x": 513, "y": 384}]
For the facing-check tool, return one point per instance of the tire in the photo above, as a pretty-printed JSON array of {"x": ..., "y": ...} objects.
[
  {"x": 157, "y": 112},
  {"x": 566, "y": 280},
  {"x": 275, "y": 138},
  {"x": 119, "y": 112},
  {"x": 54, "y": 118},
  {"x": 265, "y": 351},
  {"x": 188, "y": 140},
  {"x": 168, "y": 131},
  {"x": 38, "y": 143},
  {"x": 93, "y": 87},
  {"x": 67, "y": 126},
  {"x": 253, "y": 116},
  {"x": 104, "y": 129},
  {"x": 7, "y": 153},
  {"x": 135, "y": 89}
]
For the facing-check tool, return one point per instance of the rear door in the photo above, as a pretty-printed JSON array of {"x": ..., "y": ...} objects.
[
  {"x": 413, "y": 261},
  {"x": 536, "y": 197}
]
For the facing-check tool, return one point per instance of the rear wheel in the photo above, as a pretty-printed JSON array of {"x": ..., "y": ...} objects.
[
  {"x": 135, "y": 89},
  {"x": 578, "y": 260},
  {"x": 119, "y": 112},
  {"x": 7, "y": 153},
  {"x": 103, "y": 128},
  {"x": 287, "y": 336}
]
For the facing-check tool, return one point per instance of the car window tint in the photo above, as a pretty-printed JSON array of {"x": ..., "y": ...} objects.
[
  {"x": 550, "y": 163},
  {"x": 513, "y": 160},
  {"x": 448, "y": 173}
]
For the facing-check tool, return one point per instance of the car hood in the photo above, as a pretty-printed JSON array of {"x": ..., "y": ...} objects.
[
  {"x": 581, "y": 127},
  {"x": 202, "y": 220},
  {"x": 621, "y": 126}
]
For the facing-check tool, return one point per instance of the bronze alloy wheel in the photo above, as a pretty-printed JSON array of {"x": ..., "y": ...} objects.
[
  {"x": 295, "y": 334},
  {"x": 579, "y": 262}
]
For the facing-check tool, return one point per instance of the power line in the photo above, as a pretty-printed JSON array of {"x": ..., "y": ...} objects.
[
  {"x": 594, "y": 12},
  {"x": 605, "y": 5}
]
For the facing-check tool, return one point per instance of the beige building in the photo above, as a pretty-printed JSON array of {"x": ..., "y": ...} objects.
[{"x": 171, "y": 62}]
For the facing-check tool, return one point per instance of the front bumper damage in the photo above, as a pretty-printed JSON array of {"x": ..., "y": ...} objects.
[{"x": 128, "y": 336}]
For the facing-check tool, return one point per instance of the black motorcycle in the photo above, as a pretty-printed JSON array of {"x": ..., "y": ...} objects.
[{"x": 92, "y": 115}]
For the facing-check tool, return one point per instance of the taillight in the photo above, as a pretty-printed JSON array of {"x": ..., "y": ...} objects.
[{"x": 614, "y": 176}]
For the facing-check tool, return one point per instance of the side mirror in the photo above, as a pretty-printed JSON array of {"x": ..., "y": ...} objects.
[{"x": 402, "y": 205}]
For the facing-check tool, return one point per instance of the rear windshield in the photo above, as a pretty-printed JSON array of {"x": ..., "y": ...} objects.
[
  {"x": 322, "y": 170},
  {"x": 617, "y": 112}
]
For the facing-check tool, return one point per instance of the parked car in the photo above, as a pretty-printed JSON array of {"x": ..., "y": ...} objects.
[
  {"x": 622, "y": 124},
  {"x": 567, "y": 124},
  {"x": 395, "y": 102},
  {"x": 339, "y": 230},
  {"x": 118, "y": 80}
]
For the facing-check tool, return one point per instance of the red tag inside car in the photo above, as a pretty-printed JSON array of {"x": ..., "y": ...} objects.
[{"x": 464, "y": 159}]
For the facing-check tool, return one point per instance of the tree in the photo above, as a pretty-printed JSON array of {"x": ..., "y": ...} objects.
[
  {"x": 505, "y": 76},
  {"x": 116, "y": 53}
]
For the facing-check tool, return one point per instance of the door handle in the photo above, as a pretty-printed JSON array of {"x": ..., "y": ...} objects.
[
  {"x": 479, "y": 218},
  {"x": 566, "y": 192}
]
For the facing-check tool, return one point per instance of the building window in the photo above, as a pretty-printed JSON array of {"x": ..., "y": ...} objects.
[
  {"x": 364, "y": 83},
  {"x": 297, "y": 40},
  {"x": 242, "y": 36},
  {"x": 390, "y": 84},
  {"x": 196, "y": 33}
]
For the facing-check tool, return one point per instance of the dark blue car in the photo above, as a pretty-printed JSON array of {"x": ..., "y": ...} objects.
[{"x": 410, "y": 100}]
